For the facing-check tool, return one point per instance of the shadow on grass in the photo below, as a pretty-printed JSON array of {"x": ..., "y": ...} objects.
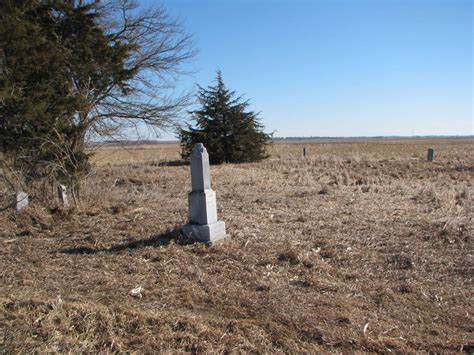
[
  {"x": 174, "y": 163},
  {"x": 464, "y": 168},
  {"x": 154, "y": 241}
]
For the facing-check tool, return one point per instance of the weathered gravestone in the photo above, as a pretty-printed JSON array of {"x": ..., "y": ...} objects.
[
  {"x": 203, "y": 224},
  {"x": 430, "y": 154},
  {"x": 21, "y": 200},
  {"x": 62, "y": 194}
]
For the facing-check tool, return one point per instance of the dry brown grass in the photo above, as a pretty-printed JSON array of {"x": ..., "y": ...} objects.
[{"x": 360, "y": 246}]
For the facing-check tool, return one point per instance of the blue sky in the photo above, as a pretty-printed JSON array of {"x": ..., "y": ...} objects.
[{"x": 339, "y": 67}]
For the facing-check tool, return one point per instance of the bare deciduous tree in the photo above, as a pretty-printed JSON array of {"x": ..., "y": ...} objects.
[{"x": 159, "y": 47}]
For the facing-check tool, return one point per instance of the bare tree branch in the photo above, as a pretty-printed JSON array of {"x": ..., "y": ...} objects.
[{"x": 159, "y": 48}]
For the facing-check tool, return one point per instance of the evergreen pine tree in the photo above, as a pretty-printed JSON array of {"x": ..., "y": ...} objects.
[
  {"x": 72, "y": 70},
  {"x": 229, "y": 132},
  {"x": 48, "y": 49}
]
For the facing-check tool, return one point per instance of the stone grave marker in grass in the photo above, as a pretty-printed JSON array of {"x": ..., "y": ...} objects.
[
  {"x": 21, "y": 200},
  {"x": 430, "y": 154},
  {"x": 203, "y": 225}
]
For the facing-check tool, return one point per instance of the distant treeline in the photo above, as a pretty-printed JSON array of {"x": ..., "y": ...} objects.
[
  {"x": 132, "y": 142},
  {"x": 276, "y": 139},
  {"x": 368, "y": 137}
]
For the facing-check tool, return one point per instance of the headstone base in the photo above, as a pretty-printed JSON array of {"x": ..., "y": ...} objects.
[{"x": 207, "y": 233}]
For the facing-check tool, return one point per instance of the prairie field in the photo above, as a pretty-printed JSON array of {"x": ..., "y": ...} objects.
[{"x": 362, "y": 245}]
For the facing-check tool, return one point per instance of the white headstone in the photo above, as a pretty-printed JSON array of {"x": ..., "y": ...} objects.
[
  {"x": 21, "y": 200},
  {"x": 62, "y": 194},
  {"x": 203, "y": 224}
]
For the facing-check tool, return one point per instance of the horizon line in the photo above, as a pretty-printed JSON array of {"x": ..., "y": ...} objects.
[{"x": 158, "y": 140}]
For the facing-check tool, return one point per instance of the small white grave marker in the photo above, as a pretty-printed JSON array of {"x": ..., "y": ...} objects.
[
  {"x": 203, "y": 224},
  {"x": 62, "y": 194},
  {"x": 21, "y": 200}
]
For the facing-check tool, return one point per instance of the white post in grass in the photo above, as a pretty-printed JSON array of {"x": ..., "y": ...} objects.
[
  {"x": 62, "y": 195},
  {"x": 21, "y": 200}
]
